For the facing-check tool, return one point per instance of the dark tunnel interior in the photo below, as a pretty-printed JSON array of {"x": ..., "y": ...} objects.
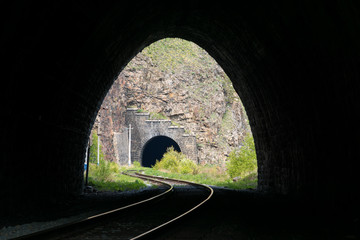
[
  {"x": 294, "y": 64},
  {"x": 155, "y": 148}
]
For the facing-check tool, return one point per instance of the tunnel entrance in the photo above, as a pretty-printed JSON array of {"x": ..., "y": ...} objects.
[{"x": 155, "y": 148}]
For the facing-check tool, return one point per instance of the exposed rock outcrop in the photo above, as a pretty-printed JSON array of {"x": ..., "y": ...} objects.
[{"x": 191, "y": 90}]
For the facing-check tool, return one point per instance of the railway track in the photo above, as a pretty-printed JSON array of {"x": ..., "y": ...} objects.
[
  {"x": 138, "y": 220},
  {"x": 153, "y": 230}
]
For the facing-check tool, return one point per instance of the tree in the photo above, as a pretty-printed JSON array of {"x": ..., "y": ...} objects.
[{"x": 242, "y": 162}]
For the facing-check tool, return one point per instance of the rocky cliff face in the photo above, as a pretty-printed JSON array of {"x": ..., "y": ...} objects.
[{"x": 180, "y": 80}]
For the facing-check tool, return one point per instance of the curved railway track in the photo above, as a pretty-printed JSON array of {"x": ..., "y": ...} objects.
[
  {"x": 145, "y": 234},
  {"x": 163, "y": 210}
]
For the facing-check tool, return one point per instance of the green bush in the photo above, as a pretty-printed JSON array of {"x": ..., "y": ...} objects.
[
  {"x": 136, "y": 164},
  {"x": 176, "y": 162},
  {"x": 187, "y": 166},
  {"x": 103, "y": 172},
  {"x": 242, "y": 162}
]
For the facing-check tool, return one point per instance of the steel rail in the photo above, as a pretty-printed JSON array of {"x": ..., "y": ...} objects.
[
  {"x": 98, "y": 217},
  {"x": 153, "y": 230},
  {"x": 101, "y": 215}
]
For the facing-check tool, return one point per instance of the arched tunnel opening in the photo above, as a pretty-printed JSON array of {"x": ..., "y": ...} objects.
[
  {"x": 294, "y": 65},
  {"x": 155, "y": 148},
  {"x": 209, "y": 96}
]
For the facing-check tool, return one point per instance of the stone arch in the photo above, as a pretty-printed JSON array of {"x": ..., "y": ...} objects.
[
  {"x": 292, "y": 65},
  {"x": 155, "y": 148},
  {"x": 144, "y": 129}
]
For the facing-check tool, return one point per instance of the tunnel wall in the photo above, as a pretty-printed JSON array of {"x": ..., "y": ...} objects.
[{"x": 295, "y": 65}]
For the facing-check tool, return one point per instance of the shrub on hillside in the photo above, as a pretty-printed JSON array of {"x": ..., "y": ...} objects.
[
  {"x": 176, "y": 162},
  {"x": 242, "y": 162}
]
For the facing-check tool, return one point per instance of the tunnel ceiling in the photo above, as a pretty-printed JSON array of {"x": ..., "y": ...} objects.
[{"x": 294, "y": 65}]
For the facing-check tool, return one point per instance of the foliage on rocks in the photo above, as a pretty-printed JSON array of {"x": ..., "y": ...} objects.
[{"x": 158, "y": 116}]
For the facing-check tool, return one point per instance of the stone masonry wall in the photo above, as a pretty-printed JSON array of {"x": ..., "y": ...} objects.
[{"x": 144, "y": 129}]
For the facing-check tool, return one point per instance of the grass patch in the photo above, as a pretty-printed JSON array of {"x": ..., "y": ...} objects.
[
  {"x": 107, "y": 177},
  {"x": 210, "y": 175},
  {"x": 158, "y": 116},
  {"x": 118, "y": 183}
]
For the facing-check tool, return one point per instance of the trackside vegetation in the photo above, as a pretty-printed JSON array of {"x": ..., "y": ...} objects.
[
  {"x": 240, "y": 171},
  {"x": 176, "y": 162},
  {"x": 106, "y": 176}
]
